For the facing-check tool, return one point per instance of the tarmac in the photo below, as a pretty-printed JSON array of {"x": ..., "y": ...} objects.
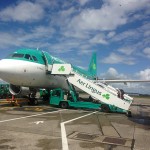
[{"x": 46, "y": 127}]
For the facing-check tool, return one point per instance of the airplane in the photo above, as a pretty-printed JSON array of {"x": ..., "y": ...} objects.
[{"x": 29, "y": 69}]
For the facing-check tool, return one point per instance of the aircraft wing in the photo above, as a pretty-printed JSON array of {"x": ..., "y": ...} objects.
[{"x": 121, "y": 81}]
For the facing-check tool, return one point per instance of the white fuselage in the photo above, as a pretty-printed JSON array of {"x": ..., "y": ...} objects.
[{"x": 29, "y": 74}]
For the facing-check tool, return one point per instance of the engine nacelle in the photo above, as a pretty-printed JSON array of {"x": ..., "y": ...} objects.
[{"x": 16, "y": 90}]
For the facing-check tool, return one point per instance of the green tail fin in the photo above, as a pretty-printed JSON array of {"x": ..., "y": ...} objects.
[{"x": 93, "y": 66}]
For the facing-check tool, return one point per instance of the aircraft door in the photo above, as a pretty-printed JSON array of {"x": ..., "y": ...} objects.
[{"x": 48, "y": 61}]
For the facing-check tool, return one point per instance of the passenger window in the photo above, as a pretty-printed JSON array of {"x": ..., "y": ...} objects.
[
  {"x": 27, "y": 56},
  {"x": 34, "y": 58},
  {"x": 18, "y": 55}
]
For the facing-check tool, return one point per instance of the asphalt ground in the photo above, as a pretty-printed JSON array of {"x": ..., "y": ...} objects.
[{"x": 45, "y": 127}]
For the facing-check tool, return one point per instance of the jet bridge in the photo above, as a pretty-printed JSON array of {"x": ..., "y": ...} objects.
[{"x": 103, "y": 93}]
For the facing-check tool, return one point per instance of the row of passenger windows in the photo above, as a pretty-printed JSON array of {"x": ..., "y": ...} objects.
[{"x": 27, "y": 56}]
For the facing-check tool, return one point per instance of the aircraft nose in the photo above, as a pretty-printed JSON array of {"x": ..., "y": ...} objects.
[
  {"x": 2, "y": 67},
  {"x": 5, "y": 68},
  {"x": 10, "y": 70}
]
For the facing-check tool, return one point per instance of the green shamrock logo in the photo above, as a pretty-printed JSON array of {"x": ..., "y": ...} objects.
[
  {"x": 107, "y": 96},
  {"x": 94, "y": 66},
  {"x": 62, "y": 68}
]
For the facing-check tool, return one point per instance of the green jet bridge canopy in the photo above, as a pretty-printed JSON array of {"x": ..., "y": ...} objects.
[{"x": 104, "y": 93}]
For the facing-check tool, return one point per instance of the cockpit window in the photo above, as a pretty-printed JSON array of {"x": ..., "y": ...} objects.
[
  {"x": 27, "y": 56},
  {"x": 34, "y": 58},
  {"x": 18, "y": 55}
]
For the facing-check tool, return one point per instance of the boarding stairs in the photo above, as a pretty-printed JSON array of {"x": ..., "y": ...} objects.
[{"x": 104, "y": 93}]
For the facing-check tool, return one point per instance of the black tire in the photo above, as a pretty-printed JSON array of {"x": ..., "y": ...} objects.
[
  {"x": 33, "y": 101},
  {"x": 129, "y": 114},
  {"x": 36, "y": 102},
  {"x": 105, "y": 108},
  {"x": 46, "y": 98},
  {"x": 64, "y": 105},
  {"x": 90, "y": 98},
  {"x": 29, "y": 103}
]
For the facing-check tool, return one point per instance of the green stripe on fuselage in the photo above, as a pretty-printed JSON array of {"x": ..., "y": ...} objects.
[
  {"x": 51, "y": 60},
  {"x": 32, "y": 52}
]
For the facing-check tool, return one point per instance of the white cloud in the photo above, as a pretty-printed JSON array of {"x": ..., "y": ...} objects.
[
  {"x": 36, "y": 37},
  {"x": 66, "y": 13},
  {"x": 78, "y": 35},
  {"x": 111, "y": 34},
  {"x": 142, "y": 88},
  {"x": 139, "y": 87},
  {"x": 117, "y": 59},
  {"x": 98, "y": 39},
  {"x": 39, "y": 32},
  {"x": 112, "y": 73},
  {"x": 8, "y": 39},
  {"x": 112, "y": 14},
  {"x": 126, "y": 50},
  {"x": 23, "y": 12},
  {"x": 134, "y": 42},
  {"x": 144, "y": 74},
  {"x": 133, "y": 34},
  {"x": 147, "y": 52},
  {"x": 129, "y": 35},
  {"x": 93, "y": 19},
  {"x": 83, "y": 2},
  {"x": 147, "y": 33}
]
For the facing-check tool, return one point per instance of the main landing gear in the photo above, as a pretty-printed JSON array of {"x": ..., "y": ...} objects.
[{"x": 32, "y": 98}]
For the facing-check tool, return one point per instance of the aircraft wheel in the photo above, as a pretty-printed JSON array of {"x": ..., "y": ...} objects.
[
  {"x": 90, "y": 98},
  {"x": 33, "y": 101},
  {"x": 129, "y": 114},
  {"x": 105, "y": 108},
  {"x": 36, "y": 102},
  {"x": 29, "y": 103},
  {"x": 64, "y": 105}
]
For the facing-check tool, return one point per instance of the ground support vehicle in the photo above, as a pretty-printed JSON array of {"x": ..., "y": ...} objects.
[
  {"x": 4, "y": 91},
  {"x": 106, "y": 96},
  {"x": 44, "y": 94},
  {"x": 70, "y": 99}
]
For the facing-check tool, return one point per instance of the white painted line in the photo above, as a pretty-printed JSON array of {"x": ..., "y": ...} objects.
[
  {"x": 38, "y": 122},
  {"x": 79, "y": 117},
  {"x": 64, "y": 137},
  {"x": 63, "y": 131},
  {"x": 31, "y": 116}
]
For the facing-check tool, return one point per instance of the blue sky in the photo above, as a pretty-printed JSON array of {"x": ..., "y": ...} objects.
[{"x": 118, "y": 30}]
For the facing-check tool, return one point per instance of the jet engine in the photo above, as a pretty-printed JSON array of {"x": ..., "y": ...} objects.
[
  {"x": 24, "y": 91},
  {"x": 16, "y": 90}
]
